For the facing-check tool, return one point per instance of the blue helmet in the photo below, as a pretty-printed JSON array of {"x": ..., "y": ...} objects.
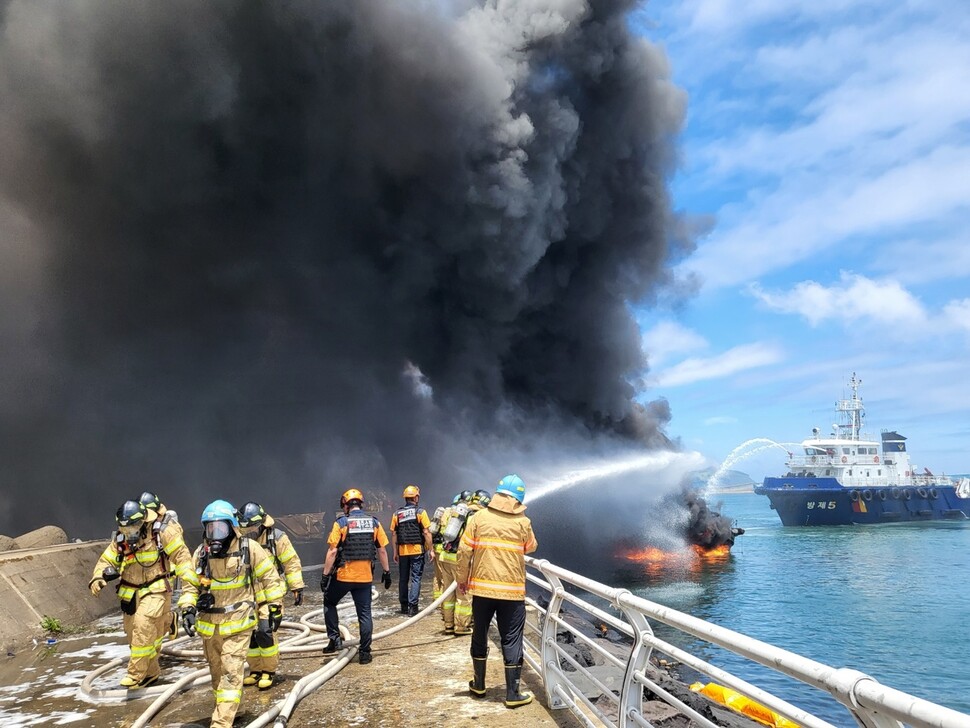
[
  {"x": 220, "y": 510},
  {"x": 512, "y": 485}
]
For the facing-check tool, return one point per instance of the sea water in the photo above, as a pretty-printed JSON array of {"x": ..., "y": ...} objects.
[{"x": 892, "y": 601}]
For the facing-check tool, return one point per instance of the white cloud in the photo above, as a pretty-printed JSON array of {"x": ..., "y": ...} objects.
[
  {"x": 851, "y": 125},
  {"x": 957, "y": 314},
  {"x": 738, "y": 359},
  {"x": 669, "y": 338},
  {"x": 857, "y": 299},
  {"x": 804, "y": 217},
  {"x": 853, "y": 299}
]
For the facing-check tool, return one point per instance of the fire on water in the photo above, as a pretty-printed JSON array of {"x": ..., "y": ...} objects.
[{"x": 653, "y": 555}]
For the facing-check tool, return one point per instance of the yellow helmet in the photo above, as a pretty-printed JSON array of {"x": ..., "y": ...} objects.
[
  {"x": 412, "y": 491},
  {"x": 351, "y": 495}
]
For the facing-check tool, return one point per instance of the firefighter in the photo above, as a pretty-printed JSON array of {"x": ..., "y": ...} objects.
[
  {"x": 239, "y": 596},
  {"x": 491, "y": 567},
  {"x": 146, "y": 553},
  {"x": 451, "y": 525},
  {"x": 440, "y": 515},
  {"x": 463, "y": 603},
  {"x": 152, "y": 502},
  {"x": 411, "y": 545},
  {"x": 354, "y": 540},
  {"x": 257, "y": 524}
]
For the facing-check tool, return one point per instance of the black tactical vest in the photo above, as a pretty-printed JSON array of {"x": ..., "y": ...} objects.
[
  {"x": 409, "y": 529},
  {"x": 359, "y": 543}
]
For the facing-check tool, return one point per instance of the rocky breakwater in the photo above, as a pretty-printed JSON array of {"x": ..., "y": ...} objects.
[{"x": 44, "y": 582}]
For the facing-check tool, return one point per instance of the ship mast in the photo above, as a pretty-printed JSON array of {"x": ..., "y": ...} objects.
[{"x": 852, "y": 411}]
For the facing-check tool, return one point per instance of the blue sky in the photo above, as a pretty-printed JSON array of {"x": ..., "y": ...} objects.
[{"x": 830, "y": 142}]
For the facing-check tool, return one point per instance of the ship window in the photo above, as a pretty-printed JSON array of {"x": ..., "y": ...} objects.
[
  {"x": 850, "y": 471},
  {"x": 845, "y": 451},
  {"x": 828, "y": 472},
  {"x": 879, "y": 472}
]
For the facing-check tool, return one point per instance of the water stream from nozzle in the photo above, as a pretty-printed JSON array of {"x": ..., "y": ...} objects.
[
  {"x": 653, "y": 462},
  {"x": 742, "y": 452}
]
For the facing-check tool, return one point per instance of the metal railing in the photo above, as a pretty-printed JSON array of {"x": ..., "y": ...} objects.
[{"x": 868, "y": 702}]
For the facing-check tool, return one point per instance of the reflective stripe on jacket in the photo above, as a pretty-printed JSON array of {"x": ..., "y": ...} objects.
[{"x": 491, "y": 555}]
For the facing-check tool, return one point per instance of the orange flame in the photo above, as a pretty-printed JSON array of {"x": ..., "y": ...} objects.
[
  {"x": 650, "y": 555},
  {"x": 718, "y": 552}
]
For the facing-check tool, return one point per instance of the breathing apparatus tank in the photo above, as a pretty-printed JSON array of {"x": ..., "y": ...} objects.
[
  {"x": 458, "y": 514},
  {"x": 436, "y": 520}
]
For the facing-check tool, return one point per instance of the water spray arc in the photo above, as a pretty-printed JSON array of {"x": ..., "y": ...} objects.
[
  {"x": 652, "y": 462},
  {"x": 741, "y": 452}
]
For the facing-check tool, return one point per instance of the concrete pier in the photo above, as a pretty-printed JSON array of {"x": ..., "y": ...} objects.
[{"x": 50, "y": 581}]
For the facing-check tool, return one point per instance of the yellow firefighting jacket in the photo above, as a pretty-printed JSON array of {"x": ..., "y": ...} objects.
[
  {"x": 243, "y": 592},
  {"x": 491, "y": 555},
  {"x": 148, "y": 569},
  {"x": 286, "y": 555}
]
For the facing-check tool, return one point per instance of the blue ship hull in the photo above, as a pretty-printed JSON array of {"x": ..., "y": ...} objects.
[{"x": 808, "y": 501}]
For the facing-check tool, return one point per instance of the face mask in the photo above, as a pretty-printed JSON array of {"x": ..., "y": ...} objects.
[
  {"x": 217, "y": 535},
  {"x": 130, "y": 534}
]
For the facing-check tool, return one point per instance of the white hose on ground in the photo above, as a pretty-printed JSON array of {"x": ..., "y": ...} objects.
[
  {"x": 193, "y": 679},
  {"x": 325, "y": 673},
  {"x": 303, "y": 643},
  {"x": 313, "y": 681}
]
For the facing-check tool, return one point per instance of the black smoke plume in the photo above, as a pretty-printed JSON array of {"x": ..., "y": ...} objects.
[{"x": 272, "y": 250}]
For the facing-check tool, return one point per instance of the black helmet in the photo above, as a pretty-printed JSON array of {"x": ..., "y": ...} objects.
[
  {"x": 131, "y": 513},
  {"x": 482, "y": 497},
  {"x": 251, "y": 514},
  {"x": 150, "y": 500}
]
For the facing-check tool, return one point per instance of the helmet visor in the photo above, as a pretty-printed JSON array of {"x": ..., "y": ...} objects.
[{"x": 217, "y": 530}]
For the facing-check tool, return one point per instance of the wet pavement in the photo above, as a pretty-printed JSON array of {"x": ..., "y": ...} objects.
[{"x": 419, "y": 677}]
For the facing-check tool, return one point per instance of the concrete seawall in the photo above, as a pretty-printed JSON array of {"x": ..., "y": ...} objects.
[{"x": 50, "y": 581}]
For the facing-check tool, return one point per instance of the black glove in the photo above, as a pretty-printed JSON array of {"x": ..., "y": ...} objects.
[
  {"x": 325, "y": 581},
  {"x": 263, "y": 636},
  {"x": 386, "y": 578},
  {"x": 188, "y": 621},
  {"x": 205, "y": 602},
  {"x": 275, "y": 617},
  {"x": 297, "y": 597}
]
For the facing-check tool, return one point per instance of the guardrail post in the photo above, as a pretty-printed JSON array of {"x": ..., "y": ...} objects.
[
  {"x": 843, "y": 684},
  {"x": 631, "y": 691},
  {"x": 552, "y": 676}
]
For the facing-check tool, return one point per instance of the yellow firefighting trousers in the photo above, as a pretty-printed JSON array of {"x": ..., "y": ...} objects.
[
  {"x": 226, "y": 655},
  {"x": 463, "y": 612},
  {"x": 448, "y": 569},
  {"x": 146, "y": 629},
  {"x": 264, "y": 659}
]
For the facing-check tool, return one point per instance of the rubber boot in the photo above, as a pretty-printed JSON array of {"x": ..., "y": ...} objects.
[
  {"x": 251, "y": 679},
  {"x": 477, "y": 686},
  {"x": 514, "y": 699},
  {"x": 265, "y": 681}
]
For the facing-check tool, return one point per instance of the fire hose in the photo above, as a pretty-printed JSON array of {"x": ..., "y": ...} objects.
[{"x": 305, "y": 642}]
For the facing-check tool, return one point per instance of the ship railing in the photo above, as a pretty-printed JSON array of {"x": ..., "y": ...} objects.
[
  {"x": 931, "y": 480},
  {"x": 611, "y": 693},
  {"x": 813, "y": 460}
]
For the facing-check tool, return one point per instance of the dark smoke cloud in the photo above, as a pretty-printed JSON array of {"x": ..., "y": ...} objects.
[{"x": 271, "y": 250}]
